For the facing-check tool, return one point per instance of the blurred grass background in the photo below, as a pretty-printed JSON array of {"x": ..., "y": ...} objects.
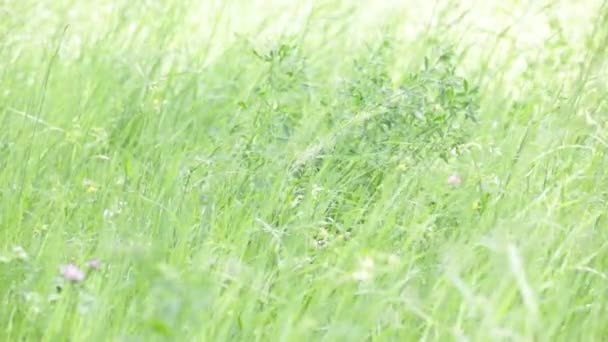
[{"x": 263, "y": 170}]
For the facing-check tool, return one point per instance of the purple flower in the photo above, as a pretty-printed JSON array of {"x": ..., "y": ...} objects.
[
  {"x": 72, "y": 273},
  {"x": 454, "y": 179},
  {"x": 94, "y": 264}
]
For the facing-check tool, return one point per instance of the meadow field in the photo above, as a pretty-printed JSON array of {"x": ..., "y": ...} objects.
[{"x": 303, "y": 170}]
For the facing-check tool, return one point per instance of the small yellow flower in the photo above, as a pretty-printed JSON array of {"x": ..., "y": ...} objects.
[
  {"x": 90, "y": 186},
  {"x": 476, "y": 205}
]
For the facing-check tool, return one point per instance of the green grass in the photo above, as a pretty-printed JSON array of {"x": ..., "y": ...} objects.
[{"x": 278, "y": 171}]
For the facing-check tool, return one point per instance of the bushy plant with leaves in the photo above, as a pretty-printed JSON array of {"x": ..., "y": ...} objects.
[
  {"x": 381, "y": 126},
  {"x": 425, "y": 112}
]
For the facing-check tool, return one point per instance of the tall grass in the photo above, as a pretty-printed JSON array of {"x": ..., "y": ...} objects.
[{"x": 315, "y": 170}]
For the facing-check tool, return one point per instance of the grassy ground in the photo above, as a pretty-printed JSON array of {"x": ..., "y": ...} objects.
[{"x": 301, "y": 171}]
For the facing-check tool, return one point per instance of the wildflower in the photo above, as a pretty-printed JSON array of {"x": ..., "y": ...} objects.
[
  {"x": 20, "y": 253},
  {"x": 454, "y": 179},
  {"x": 367, "y": 263},
  {"x": 365, "y": 270},
  {"x": 72, "y": 273},
  {"x": 361, "y": 275},
  {"x": 94, "y": 264},
  {"x": 393, "y": 259},
  {"x": 107, "y": 214},
  {"x": 90, "y": 186},
  {"x": 157, "y": 105},
  {"x": 476, "y": 205}
]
